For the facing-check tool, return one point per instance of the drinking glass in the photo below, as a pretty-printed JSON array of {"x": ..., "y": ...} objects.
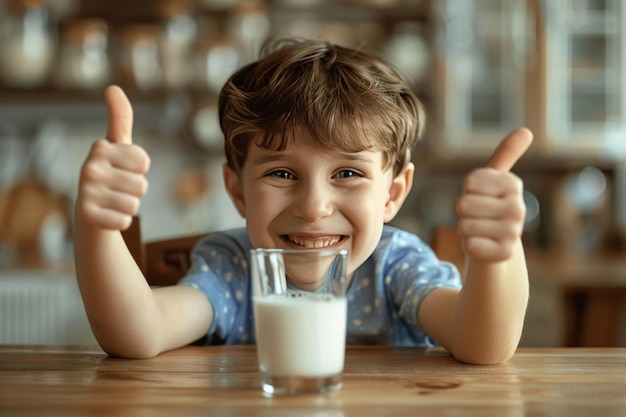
[{"x": 300, "y": 313}]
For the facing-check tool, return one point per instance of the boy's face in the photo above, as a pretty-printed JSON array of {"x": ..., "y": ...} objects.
[{"x": 303, "y": 197}]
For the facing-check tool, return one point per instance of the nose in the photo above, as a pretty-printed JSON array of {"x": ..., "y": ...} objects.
[{"x": 314, "y": 201}]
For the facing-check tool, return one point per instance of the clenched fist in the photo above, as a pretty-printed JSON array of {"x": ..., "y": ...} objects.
[
  {"x": 112, "y": 178},
  {"x": 491, "y": 210}
]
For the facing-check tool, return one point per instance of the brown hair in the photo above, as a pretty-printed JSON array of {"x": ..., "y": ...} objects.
[{"x": 340, "y": 98}]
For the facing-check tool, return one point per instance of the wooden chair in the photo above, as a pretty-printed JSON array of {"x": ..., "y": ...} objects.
[
  {"x": 163, "y": 262},
  {"x": 445, "y": 242}
]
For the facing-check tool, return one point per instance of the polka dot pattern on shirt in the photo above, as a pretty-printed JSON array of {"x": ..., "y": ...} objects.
[{"x": 383, "y": 298}]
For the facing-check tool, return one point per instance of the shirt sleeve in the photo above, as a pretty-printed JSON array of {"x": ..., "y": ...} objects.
[
  {"x": 219, "y": 270},
  {"x": 414, "y": 271}
]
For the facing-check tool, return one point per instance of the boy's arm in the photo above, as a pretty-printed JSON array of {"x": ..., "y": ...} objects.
[
  {"x": 127, "y": 317},
  {"x": 482, "y": 323}
]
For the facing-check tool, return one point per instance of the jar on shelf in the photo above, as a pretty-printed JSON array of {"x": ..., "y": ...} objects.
[
  {"x": 204, "y": 125},
  {"x": 177, "y": 36},
  {"x": 83, "y": 54},
  {"x": 62, "y": 9},
  {"x": 408, "y": 49},
  {"x": 139, "y": 56},
  {"x": 248, "y": 26},
  {"x": 27, "y": 43},
  {"x": 215, "y": 61}
]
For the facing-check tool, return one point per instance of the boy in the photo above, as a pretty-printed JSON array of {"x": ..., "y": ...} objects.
[{"x": 318, "y": 145}]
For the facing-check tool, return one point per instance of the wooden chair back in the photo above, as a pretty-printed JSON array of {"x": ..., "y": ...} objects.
[
  {"x": 445, "y": 243},
  {"x": 163, "y": 262}
]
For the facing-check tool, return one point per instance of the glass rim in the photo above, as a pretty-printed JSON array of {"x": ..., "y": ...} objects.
[{"x": 318, "y": 251}]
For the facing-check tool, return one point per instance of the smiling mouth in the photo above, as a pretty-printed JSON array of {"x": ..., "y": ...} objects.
[{"x": 314, "y": 243}]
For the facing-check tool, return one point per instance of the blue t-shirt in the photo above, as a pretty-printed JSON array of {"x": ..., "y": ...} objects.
[{"x": 383, "y": 298}]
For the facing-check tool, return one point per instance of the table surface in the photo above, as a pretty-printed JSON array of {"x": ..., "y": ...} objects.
[{"x": 378, "y": 381}]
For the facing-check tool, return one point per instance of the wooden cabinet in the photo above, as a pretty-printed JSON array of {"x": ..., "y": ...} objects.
[
  {"x": 585, "y": 87},
  {"x": 484, "y": 50},
  {"x": 556, "y": 66}
]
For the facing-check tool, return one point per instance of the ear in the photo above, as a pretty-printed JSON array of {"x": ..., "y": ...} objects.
[
  {"x": 398, "y": 191},
  {"x": 234, "y": 189}
]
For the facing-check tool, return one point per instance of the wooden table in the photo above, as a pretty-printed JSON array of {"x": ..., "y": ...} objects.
[{"x": 378, "y": 381}]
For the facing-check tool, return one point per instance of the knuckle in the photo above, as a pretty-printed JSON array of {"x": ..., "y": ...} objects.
[
  {"x": 91, "y": 172},
  {"x": 85, "y": 210},
  {"x": 515, "y": 184},
  {"x": 132, "y": 206},
  {"x": 517, "y": 209},
  {"x": 140, "y": 156},
  {"x": 146, "y": 160},
  {"x": 124, "y": 222},
  {"x": 119, "y": 221},
  {"x": 461, "y": 205},
  {"x": 144, "y": 185},
  {"x": 100, "y": 148},
  {"x": 471, "y": 179}
]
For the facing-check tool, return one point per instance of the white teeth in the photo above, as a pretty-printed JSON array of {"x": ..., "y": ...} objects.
[{"x": 314, "y": 244}]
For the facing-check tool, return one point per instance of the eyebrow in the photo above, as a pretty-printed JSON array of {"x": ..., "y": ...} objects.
[
  {"x": 272, "y": 156},
  {"x": 355, "y": 157}
]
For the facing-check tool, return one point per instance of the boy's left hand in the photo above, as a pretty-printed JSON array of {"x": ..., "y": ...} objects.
[{"x": 491, "y": 210}]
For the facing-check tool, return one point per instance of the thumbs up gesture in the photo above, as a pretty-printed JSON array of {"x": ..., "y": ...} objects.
[
  {"x": 112, "y": 178},
  {"x": 491, "y": 210}
]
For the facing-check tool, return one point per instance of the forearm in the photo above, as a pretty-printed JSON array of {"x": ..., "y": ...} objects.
[
  {"x": 489, "y": 315},
  {"x": 118, "y": 301}
]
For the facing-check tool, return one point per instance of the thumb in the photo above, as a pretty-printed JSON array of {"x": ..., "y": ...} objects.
[
  {"x": 120, "y": 126},
  {"x": 511, "y": 150}
]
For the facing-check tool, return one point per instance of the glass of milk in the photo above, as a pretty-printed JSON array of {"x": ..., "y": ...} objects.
[{"x": 300, "y": 314}]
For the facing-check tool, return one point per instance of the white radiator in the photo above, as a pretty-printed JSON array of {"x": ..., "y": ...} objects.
[{"x": 42, "y": 307}]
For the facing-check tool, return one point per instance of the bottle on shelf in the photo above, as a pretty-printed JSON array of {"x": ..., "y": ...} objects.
[
  {"x": 27, "y": 44},
  {"x": 83, "y": 55}
]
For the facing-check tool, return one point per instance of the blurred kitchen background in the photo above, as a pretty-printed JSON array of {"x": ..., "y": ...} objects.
[{"x": 481, "y": 67}]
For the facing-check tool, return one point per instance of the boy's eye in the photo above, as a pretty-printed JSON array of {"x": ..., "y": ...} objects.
[
  {"x": 348, "y": 173},
  {"x": 282, "y": 174}
]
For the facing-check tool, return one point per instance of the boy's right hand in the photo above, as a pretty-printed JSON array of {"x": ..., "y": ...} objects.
[{"x": 112, "y": 179}]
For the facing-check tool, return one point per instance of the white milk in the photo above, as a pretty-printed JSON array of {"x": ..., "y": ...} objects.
[{"x": 300, "y": 336}]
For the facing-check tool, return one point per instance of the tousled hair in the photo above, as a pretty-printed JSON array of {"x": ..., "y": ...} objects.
[{"x": 335, "y": 97}]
